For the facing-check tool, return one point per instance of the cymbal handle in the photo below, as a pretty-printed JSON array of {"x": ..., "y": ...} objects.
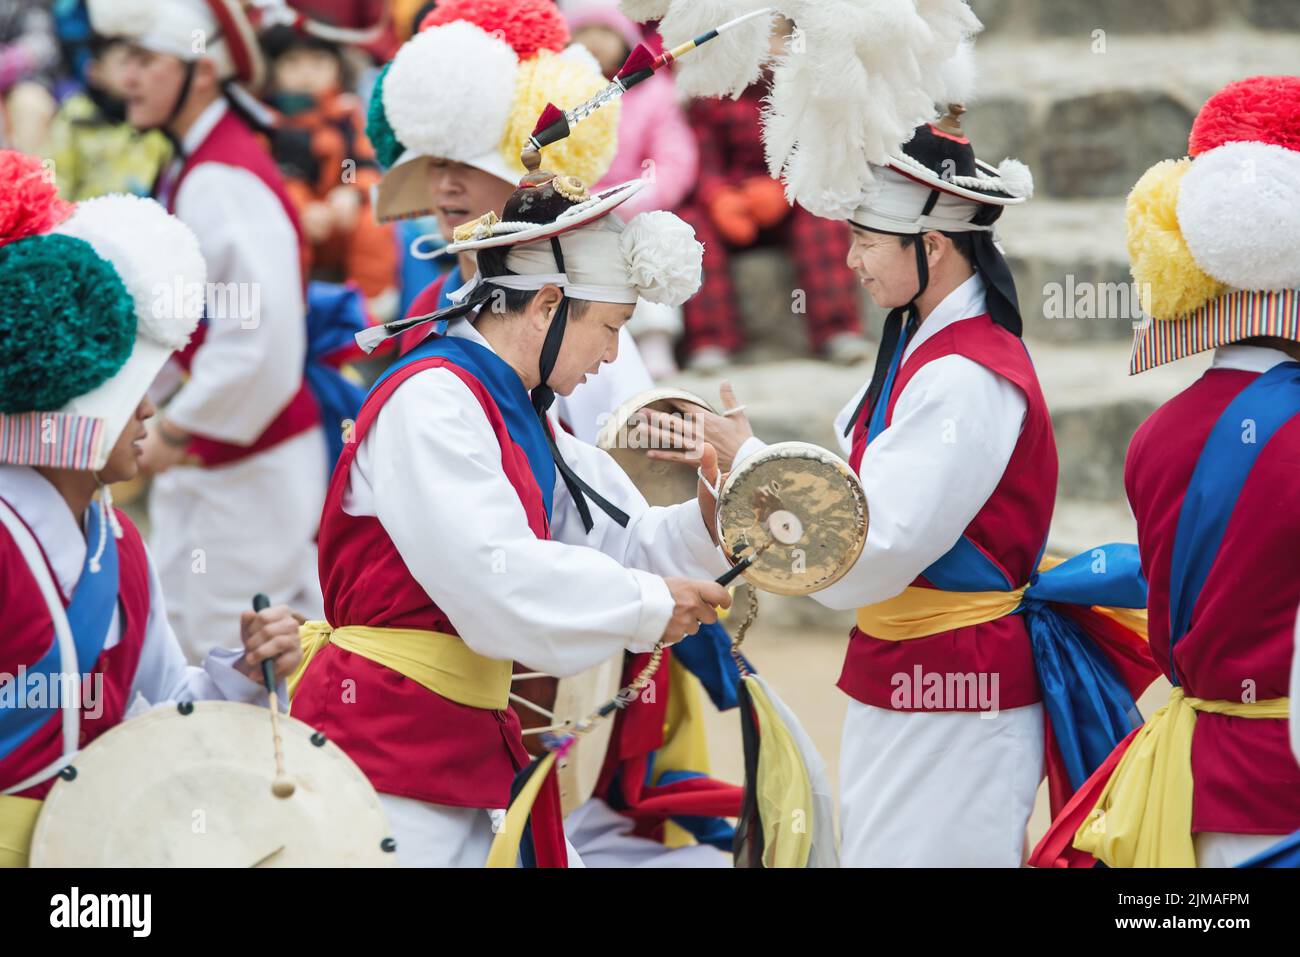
[{"x": 730, "y": 576}]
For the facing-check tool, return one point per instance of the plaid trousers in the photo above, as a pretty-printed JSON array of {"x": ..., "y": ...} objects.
[{"x": 818, "y": 248}]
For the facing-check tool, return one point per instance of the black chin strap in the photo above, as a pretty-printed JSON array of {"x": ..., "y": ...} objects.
[
  {"x": 543, "y": 397},
  {"x": 893, "y": 331},
  {"x": 165, "y": 127}
]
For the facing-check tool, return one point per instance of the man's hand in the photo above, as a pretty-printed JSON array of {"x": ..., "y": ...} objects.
[
  {"x": 681, "y": 438},
  {"x": 270, "y": 633},
  {"x": 158, "y": 454},
  {"x": 695, "y": 603},
  {"x": 710, "y": 482}
]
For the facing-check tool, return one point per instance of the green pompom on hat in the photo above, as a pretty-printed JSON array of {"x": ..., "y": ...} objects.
[
  {"x": 67, "y": 323},
  {"x": 388, "y": 148}
]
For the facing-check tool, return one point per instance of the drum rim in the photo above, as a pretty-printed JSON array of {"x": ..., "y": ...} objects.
[
  {"x": 211, "y": 707},
  {"x": 625, "y": 410}
]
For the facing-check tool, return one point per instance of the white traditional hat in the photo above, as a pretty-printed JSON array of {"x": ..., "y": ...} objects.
[
  {"x": 89, "y": 313},
  {"x": 469, "y": 88}
]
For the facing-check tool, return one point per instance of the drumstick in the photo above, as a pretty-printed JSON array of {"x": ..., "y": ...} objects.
[{"x": 282, "y": 786}]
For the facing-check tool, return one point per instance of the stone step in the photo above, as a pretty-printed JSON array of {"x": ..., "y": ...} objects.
[
  {"x": 1089, "y": 116},
  {"x": 1096, "y": 405},
  {"x": 1046, "y": 18}
]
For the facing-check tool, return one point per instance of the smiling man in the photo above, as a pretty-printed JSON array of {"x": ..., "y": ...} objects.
[
  {"x": 463, "y": 529},
  {"x": 953, "y": 443}
]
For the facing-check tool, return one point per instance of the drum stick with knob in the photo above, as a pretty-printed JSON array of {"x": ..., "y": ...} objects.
[{"x": 282, "y": 786}]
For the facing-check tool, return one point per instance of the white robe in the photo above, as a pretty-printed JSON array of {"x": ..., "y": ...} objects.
[
  {"x": 430, "y": 470},
  {"x": 914, "y": 785},
  {"x": 221, "y": 535},
  {"x": 162, "y": 675}
]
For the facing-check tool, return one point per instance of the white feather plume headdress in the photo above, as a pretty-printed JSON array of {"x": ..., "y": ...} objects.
[{"x": 856, "y": 79}]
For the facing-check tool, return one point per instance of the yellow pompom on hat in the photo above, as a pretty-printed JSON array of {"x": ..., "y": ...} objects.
[
  {"x": 1211, "y": 238},
  {"x": 469, "y": 87},
  {"x": 1170, "y": 282}
]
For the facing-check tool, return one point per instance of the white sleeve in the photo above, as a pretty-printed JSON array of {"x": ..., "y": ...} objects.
[
  {"x": 667, "y": 541},
  {"x": 162, "y": 674},
  {"x": 251, "y": 361},
  {"x": 431, "y": 466},
  {"x": 926, "y": 477}
]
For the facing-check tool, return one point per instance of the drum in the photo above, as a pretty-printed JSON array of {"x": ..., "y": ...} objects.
[
  {"x": 662, "y": 483},
  {"x": 801, "y": 510},
  {"x": 190, "y": 786},
  {"x": 544, "y": 704}
]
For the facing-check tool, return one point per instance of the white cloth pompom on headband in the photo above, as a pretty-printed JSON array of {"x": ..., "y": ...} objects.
[{"x": 664, "y": 259}]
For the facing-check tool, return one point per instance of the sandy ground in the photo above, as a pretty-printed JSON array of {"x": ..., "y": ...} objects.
[{"x": 803, "y": 668}]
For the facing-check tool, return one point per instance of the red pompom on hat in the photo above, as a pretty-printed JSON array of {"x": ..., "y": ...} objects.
[
  {"x": 29, "y": 200},
  {"x": 527, "y": 25},
  {"x": 1261, "y": 109}
]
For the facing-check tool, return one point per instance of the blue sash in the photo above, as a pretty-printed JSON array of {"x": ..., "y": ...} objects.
[
  {"x": 1286, "y": 853},
  {"x": 506, "y": 389},
  {"x": 1090, "y": 708},
  {"x": 90, "y": 613},
  {"x": 1225, "y": 462}
]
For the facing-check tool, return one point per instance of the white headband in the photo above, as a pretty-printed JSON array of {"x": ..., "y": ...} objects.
[
  {"x": 896, "y": 205},
  {"x": 595, "y": 266}
]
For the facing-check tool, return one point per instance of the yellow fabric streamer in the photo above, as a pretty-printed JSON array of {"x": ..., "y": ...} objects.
[
  {"x": 504, "y": 851},
  {"x": 783, "y": 790},
  {"x": 686, "y": 743},
  {"x": 440, "y": 662},
  {"x": 17, "y": 824},
  {"x": 1144, "y": 815}
]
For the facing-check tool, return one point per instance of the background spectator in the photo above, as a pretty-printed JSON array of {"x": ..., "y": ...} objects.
[
  {"x": 29, "y": 63},
  {"x": 94, "y": 150},
  {"x": 329, "y": 166},
  {"x": 736, "y": 206}
]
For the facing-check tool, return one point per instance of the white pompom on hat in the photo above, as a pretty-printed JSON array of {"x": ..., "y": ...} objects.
[
  {"x": 449, "y": 91},
  {"x": 158, "y": 260},
  {"x": 1239, "y": 210}
]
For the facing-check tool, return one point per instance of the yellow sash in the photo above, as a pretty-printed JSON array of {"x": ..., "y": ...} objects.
[
  {"x": 920, "y": 612},
  {"x": 17, "y": 824},
  {"x": 1144, "y": 815},
  {"x": 440, "y": 662}
]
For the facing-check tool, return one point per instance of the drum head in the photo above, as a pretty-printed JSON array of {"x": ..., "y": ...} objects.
[
  {"x": 662, "y": 483},
  {"x": 807, "y": 504},
  {"x": 169, "y": 789},
  {"x": 575, "y": 699}
]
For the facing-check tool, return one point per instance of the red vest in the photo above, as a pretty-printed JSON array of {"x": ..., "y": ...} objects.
[
  {"x": 29, "y": 631},
  {"x": 232, "y": 143},
  {"x": 1242, "y": 626},
  {"x": 1010, "y": 529},
  {"x": 408, "y": 740}
]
